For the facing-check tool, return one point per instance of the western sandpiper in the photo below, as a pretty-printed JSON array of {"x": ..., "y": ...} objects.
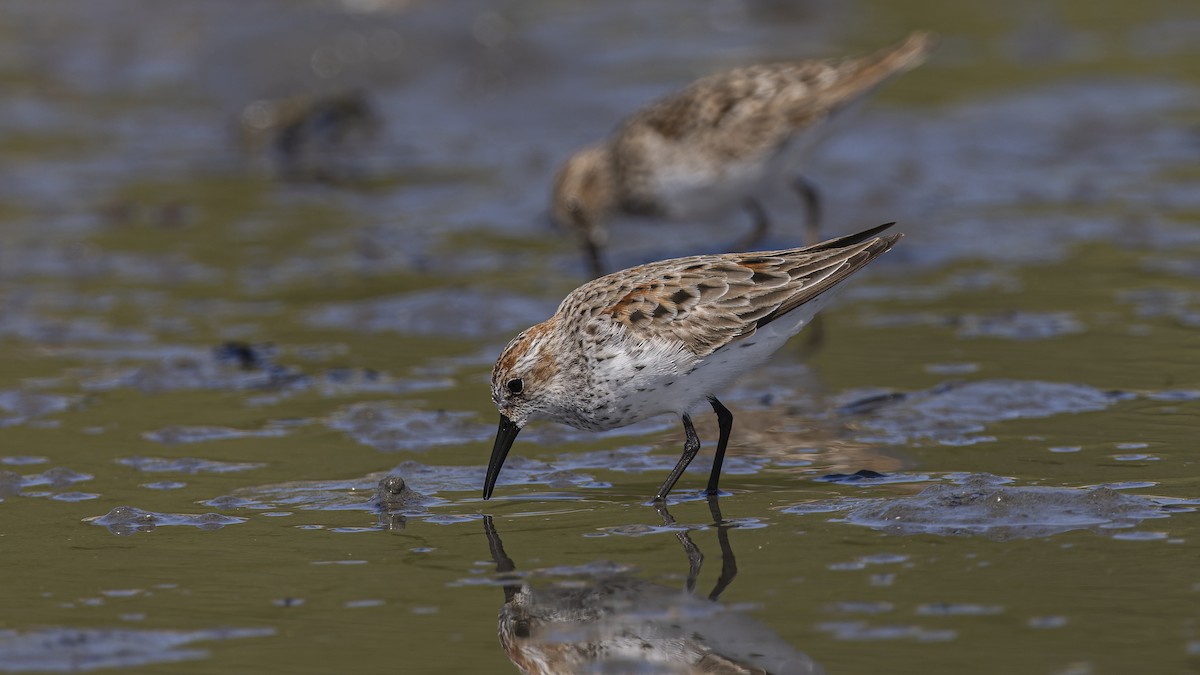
[
  {"x": 663, "y": 338},
  {"x": 719, "y": 144}
]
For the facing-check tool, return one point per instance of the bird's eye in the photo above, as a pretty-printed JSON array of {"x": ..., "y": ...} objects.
[{"x": 516, "y": 386}]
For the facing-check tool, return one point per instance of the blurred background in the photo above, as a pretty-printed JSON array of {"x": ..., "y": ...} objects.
[{"x": 256, "y": 256}]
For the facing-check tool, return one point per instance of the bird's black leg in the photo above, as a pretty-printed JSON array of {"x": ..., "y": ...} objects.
[
  {"x": 728, "y": 561},
  {"x": 761, "y": 225},
  {"x": 725, "y": 424},
  {"x": 814, "y": 335},
  {"x": 690, "y": 447},
  {"x": 594, "y": 257},
  {"x": 812, "y": 209}
]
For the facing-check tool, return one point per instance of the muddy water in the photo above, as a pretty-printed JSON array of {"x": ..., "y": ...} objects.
[{"x": 243, "y": 418}]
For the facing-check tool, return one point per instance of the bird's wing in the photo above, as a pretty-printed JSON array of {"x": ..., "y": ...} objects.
[{"x": 706, "y": 302}]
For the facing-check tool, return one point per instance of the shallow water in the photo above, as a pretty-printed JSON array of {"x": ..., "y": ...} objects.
[{"x": 243, "y": 408}]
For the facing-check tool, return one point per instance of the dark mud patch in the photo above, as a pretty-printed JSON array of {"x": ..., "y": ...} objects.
[
  {"x": 370, "y": 493},
  {"x": 1059, "y": 144},
  {"x": 87, "y": 263},
  {"x": 1015, "y": 325},
  {"x": 1152, "y": 303},
  {"x": 858, "y": 631},
  {"x": 980, "y": 505},
  {"x": 191, "y": 369},
  {"x": 468, "y": 313},
  {"x": 175, "y": 435},
  {"x": 638, "y": 459},
  {"x": 386, "y": 426},
  {"x": 20, "y": 406},
  {"x": 956, "y": 283},
  {"x": 957, "y": 413},
  {"x": 13, "y": 484},
  {"x": 188, "y": 465},
  {"x": 391, "y": 427},
  {"x": 408, "y": 489},
  {"x": 73, "y": 650},
  {"x": 869, "y": 477},
  {"x": 126, "y": 520},
  {"x": 234, "y": 368}
]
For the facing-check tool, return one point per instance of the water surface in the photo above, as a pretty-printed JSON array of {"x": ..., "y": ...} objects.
[{"x": 212, "y": 359}]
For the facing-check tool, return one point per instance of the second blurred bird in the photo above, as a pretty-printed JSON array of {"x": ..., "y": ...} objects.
[{"x": 719, "y": 144}]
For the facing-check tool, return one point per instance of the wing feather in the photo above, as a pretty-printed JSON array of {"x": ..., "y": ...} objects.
[{"x": 706, "y": 302}]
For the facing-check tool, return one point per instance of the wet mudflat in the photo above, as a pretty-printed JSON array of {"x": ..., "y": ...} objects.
[{"x": 243, "y": 410}]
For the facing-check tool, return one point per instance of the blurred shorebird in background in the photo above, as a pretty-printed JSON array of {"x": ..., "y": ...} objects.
[
  {"x": 719, "y": 144},
  {"x": 311, "y": 137}
]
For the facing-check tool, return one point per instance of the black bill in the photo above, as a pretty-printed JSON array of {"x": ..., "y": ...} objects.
[{"x": 505, "y": 435}]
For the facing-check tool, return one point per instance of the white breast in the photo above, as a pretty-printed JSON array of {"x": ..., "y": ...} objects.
[{"x": 642, "y": 379}]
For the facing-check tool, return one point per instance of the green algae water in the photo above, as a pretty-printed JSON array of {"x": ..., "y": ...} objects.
[{"x": 243, "y": 405}]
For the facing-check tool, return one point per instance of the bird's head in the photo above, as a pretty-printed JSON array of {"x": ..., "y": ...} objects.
[{"x": 525, "y": 386}]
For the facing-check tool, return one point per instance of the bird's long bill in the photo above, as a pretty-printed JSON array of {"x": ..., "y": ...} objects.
[{"x": 505, "y": 435}]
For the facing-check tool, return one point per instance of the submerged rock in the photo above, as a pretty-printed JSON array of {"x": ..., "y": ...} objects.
[{"x": 394, "y": 495}]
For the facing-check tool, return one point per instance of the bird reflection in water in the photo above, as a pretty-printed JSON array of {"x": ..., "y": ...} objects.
[{"x": 622, "y": 624}]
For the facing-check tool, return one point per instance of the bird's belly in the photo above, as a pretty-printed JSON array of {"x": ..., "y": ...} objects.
[
  {"x": 649, "y": 380},
  {"x": 685, "y": 192},
  {"x": 640, "y": 398},
  {"x": 722, "y": 367}
]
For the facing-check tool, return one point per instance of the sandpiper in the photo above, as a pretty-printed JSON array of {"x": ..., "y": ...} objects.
[
  {"x": 663, "y": 338},
  {"x": 719, "y": 144}
]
